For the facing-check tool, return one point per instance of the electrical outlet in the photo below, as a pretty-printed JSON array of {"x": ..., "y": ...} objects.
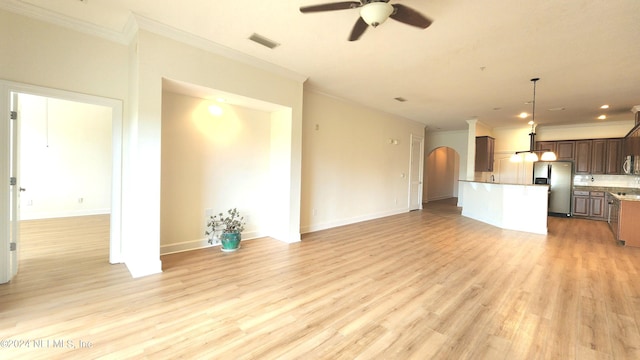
[{"x": 80, "y": 200}]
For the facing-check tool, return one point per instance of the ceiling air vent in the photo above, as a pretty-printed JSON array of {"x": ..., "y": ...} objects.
[
  {"x": 263, "y": 41},
  {"x": 400, "y": 99}
]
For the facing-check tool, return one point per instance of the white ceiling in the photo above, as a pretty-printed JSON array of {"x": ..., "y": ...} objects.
[{"x": 475, "y": 61}]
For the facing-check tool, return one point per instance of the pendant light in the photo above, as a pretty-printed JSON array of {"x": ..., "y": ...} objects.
[{"x": 530, "y": 155}]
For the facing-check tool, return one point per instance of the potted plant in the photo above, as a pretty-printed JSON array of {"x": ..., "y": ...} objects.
[{"x": 228, "y": 228}]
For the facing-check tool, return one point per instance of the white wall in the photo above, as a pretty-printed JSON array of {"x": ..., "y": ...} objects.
[
  {"x": 212, "y": 163},
  {"x": 38, "y": 53},
  {"x": 585, "y": 131},
  {"x": 351, "y": 171},
  {"x": 65, "y": 158},
  {"x": 154, "y": 58}
]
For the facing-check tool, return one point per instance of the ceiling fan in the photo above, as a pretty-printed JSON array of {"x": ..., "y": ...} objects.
[{"x": 373, "y": 13}]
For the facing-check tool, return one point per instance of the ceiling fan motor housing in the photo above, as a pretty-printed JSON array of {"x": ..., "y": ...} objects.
[{"x": 375, "y": 13}]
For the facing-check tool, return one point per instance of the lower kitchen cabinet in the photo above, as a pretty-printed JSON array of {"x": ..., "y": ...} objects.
[
  {"x": 580, "y": 203},
  {"x": 589, "y": 204}
]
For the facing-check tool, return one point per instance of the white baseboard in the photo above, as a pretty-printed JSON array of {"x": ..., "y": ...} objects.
[
  {"x": 202, "y": 243},
  {"x": 353, "y": 220}
]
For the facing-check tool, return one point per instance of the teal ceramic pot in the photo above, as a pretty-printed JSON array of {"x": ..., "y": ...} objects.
[{"x": 230, "y": 241}]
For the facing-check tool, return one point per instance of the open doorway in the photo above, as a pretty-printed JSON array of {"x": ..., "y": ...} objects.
[
  {"x": 65, "y": 161},
  {"x": 443, "y": 164},
  {"x": 69, "y": 161}
]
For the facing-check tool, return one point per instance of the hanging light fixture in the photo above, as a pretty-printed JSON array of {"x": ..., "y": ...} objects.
[{"x": 530, "y": 155}]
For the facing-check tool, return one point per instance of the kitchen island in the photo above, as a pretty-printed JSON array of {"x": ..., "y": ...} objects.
[{"x": 521, "y": 207}]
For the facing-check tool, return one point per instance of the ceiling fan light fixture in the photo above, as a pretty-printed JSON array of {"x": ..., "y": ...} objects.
[{"x": 376, "y": 13}]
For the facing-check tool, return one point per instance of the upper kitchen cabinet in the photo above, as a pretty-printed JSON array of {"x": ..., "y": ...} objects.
[
  {"x": 614, "y": 156},
  {"x": 598, "y": 156},
  {"x": 484, "y": 153},
  {"x": 546, "y": 146},
  {"x": 582, "y": 159},
  {"x": 565, "y": 150},
  {"x": 632, "y": 142},
  {"x": 606, "y": 156}
]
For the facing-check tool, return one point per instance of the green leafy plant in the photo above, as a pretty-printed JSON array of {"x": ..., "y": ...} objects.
[{"x": 221, "y": 223}]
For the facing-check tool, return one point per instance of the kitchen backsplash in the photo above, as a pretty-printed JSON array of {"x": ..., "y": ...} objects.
[{"x": 627, "y": 181}]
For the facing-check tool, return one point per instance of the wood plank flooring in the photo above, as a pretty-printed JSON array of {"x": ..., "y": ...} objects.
[{"x": 427, "y": 284}]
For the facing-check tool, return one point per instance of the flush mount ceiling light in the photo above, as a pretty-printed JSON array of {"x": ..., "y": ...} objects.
[{"x": 530, "y": 155}]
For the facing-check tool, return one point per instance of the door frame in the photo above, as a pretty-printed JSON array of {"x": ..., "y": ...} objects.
[
  {"x": 412, "y": 138},
  {"x": 6, "y": 89}
]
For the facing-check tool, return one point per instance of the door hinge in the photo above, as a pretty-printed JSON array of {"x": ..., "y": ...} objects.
[
  {"x": 14, "y": 115},
  {"x": 13, "y": 181},
  {"x": 12, "y": 246}
]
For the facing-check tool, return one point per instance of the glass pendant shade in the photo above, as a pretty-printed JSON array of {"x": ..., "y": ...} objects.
[
  {"x": 548, "y": 156},
  {"x": 530, "y": 157},
  {"x": 516, "y": 158}
]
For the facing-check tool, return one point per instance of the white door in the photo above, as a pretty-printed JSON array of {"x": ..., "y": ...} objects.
[{"x": 415, "y": 172}]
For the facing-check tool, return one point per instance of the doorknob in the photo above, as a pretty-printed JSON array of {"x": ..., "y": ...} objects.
[{"x": 23, "y": 189}]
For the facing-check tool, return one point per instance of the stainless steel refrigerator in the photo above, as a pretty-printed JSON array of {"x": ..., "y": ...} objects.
[{"x": 559, "y": 175}]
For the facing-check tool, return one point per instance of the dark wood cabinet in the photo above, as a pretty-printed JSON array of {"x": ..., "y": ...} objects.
[
  {"x": 632, "y": 142},
  {"x": 606, "y": 156},
  {"x": 580, "y": 203},
  {"x": 590, "y": 204},
  {"x": 582, "y": 159},
  {"x": 597, "y": 205},
  {"x": 594, "y": 156},
  {"x": 547, "y": 146},
  {"x": 566, "y": 150},
  {"x": 598, "y": 156},
  {"x": 614, "y": 158},
  {"x": 484, "y": 153}
]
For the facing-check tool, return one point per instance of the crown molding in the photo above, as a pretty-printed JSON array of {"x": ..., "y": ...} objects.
[
  {"x": 184, "y": 37},
  {"x": 51, "y": 17},
  {"x": 136, "y": 22}
]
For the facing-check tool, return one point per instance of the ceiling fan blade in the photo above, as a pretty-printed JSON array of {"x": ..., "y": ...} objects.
[
  {"x": 358, "y": 29},
  {"x": 343, "y": 5},
  {"x": 409, "y": 16}
]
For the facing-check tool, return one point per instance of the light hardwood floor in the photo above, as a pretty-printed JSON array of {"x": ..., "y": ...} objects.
[{"x": 421, "y": 285}]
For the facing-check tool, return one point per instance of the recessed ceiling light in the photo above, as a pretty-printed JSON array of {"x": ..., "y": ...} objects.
[
  {"x": 497, "y": 108},
  {"x": 400, "y": 99},
  {"x": 602, "y": 117},
  {"x": 604, "y": 106},
  {"x": 523, "y": 115},
  {"x": 221, "y": 100}
]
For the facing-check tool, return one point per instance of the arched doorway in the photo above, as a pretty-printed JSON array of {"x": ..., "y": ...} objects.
[{"x": 442, "y": 174}]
